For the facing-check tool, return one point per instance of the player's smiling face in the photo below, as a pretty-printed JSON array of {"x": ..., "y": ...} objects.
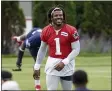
[{"x": 57, "y": 18}]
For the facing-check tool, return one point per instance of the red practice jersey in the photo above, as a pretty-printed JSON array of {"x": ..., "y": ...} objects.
[{"x": 59, "y": 44}]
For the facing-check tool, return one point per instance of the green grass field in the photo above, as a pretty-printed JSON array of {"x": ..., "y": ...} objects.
[{"x": 98, "y": 69}]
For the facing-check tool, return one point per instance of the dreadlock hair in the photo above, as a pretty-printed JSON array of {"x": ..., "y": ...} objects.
[{"x": 49, "y": 14}]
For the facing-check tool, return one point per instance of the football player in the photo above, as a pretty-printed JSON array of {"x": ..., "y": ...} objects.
[
  {"x": 32, "y": 42},
  {"x": 62, "y": 40}
]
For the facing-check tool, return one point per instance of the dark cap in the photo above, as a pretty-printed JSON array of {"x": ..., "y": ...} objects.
[{"x": 6, "y": 75}]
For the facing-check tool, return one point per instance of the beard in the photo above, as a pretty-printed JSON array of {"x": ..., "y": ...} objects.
[{"x": 58, "y": 23}]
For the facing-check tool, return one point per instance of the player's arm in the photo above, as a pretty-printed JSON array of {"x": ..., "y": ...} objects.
[
  {"x": 40, "y": 56},
  {"x": 23, "y": 37},
  {"x": 20, "y": 38},
  {"x": 75, "y": 51}
]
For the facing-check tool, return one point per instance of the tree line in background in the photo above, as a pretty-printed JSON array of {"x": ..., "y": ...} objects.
[
  {"x": 12, "y": 23},
  {"x": 92, "y": 18}
]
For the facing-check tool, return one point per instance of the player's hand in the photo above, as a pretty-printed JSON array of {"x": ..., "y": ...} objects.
[
  {"x": 59, "y": 66},
  {"x": 36, "y": 74},
  {"x": 17, "y": 39}
]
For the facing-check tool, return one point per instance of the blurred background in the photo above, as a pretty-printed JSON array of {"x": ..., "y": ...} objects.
[{"x": 92, "y": 20}]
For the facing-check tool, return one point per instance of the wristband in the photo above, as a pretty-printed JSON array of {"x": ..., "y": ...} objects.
[
  {"x": 36, "y": 66},
  {"x": 65, "y": 61}
]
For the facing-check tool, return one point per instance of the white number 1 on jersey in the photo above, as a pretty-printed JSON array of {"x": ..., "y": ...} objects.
[{"x": 57, "y": 46}]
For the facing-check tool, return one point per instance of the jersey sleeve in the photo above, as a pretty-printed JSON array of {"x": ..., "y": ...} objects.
[
  {"x": 74, "y": 35},
  {"x": 43, "y": 35}
]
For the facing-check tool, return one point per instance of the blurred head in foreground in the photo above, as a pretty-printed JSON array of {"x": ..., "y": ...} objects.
[
  {"x": 80, "y": 80},
  {"x": 7, "y": 82}
]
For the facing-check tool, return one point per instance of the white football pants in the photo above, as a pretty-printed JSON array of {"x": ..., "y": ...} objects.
[{"x": 52, "y": 83}]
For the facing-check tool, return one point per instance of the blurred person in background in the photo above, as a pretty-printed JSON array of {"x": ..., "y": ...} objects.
[
  {"x": 8, "y": 84},
  {"x": 80, "y": 80},
  {"x": 63, "y": 42},
  {"x": 32, "y": 42}
]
